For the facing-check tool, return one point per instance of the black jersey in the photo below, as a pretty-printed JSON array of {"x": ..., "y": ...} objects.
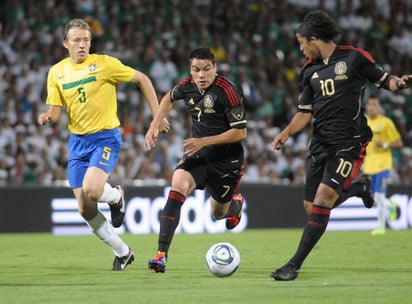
[
  {"x": 213, "y": 111},
  {"x": 333, "y": 93}
]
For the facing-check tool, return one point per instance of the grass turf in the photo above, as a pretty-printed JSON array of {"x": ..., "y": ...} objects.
[{"x": 345, "y": 267}]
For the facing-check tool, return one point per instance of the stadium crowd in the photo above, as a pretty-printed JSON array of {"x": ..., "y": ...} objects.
[{"x": 254, "y": 44}]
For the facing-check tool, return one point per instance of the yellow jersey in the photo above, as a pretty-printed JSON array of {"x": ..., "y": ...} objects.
[
  {"x": 88, "y": 91},
  {"x": 379, "y": 159}
]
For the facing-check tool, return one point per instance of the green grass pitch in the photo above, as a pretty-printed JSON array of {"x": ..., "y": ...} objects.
[{"x": 345, "y": 267}]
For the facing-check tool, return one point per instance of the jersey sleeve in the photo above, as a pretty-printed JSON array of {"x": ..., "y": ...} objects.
[
  {"x": 54, "y": 97},
  {"x": 237, "y": 116},
  {"x": 178, "y": 91},
  {"x": 234, "y": 101},
  {"x": 369, "y": 69},
  {"x": 117, "y": 71},
  {"x": 392, "y": 134},
  {"x": 305, "y": 99}
]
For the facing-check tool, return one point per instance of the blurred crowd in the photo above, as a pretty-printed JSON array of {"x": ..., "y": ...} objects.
[{"x": 254, "y": 44}]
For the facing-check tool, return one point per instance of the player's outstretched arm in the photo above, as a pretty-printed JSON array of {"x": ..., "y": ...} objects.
[
  {"x": 395, "y": 83},
  {"x": 52, "y": 115},
  {"x": 298, "y": 122},
  {"x": 159, "y": 122},
  {"x": 145, "y": 84},
  {"x": 193, "y": 145}
]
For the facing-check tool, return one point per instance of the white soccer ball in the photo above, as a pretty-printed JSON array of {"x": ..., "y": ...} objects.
[{"x": 222, "y": 259}]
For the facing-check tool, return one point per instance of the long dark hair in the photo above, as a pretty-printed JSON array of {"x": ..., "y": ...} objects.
[{"x": 318, "y": 24}]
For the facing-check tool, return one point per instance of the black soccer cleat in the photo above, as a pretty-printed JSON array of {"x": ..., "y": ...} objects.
[
  {"x": 287, "y": 272},
  {"x": 366, "y": 194},
  {"x": 233, "y": 221},
  {"x": 120, "y": 263},
  {"x": 117, "y": 210}
]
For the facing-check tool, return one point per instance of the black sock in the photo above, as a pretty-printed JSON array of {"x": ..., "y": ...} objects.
[
  {"x": 234, "y": 208},
  {"x": 314, "y": 229},
  {"x": 355, "y": 189},
  {"x": 169, "y": 219}
]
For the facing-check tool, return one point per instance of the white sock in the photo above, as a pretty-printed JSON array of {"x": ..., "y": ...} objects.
[
  {"x": 110, "y": 195},
  {"x": 387, "y": 202},
  {"x": 104, "y": 231},
  {"x": 381, "y": 206}
]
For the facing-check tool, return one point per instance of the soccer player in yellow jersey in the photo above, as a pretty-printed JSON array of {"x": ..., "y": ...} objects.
[
  {"x": 378, "y": 159},
  {"x": 84, "y": 84}
]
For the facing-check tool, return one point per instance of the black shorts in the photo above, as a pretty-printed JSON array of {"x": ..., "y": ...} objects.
[
  {"x": 220, "y": 178},
  {"x": 335, "y": 167}
]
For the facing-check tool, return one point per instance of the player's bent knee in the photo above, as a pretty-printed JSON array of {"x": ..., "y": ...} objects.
[
  {"x": 91, "y": 194},
  {"x": 308, "y": 207}
]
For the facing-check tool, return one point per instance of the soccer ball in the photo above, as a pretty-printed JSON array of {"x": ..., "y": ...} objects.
[{"x": 222, "y": 259}]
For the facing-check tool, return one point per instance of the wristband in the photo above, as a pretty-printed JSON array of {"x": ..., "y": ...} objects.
[{"x": 385, "y": 146}]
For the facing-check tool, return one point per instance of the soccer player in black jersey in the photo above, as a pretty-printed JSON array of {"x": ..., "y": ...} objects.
[
  {"x": 332, "y": 82},
  {"x": 213, "y": 157}
]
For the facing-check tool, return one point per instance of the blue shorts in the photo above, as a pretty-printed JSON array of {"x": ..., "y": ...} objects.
[
  {"x": 99, "y": 149},
  {"x": 380, "y": 181}
]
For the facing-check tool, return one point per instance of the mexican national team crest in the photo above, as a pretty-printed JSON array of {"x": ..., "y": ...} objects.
[
  {"x": 92, "y": 67},
  {"x": 340, "y": 68},
  {"x": 208, "y": 102}
]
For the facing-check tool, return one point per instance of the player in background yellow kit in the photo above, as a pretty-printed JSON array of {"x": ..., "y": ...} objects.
[
  {"x": 84, "y": 84},
  {"x": 378, "y": 160}
]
